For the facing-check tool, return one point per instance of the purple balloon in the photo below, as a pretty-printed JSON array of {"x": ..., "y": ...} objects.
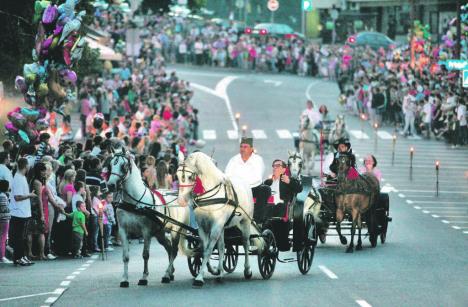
[
  {"x": 11, "y": 128},
  {"x": 71, "y": 76},
  {"x": 50, "y": 14},
  {"x": 58, "y": 29}
]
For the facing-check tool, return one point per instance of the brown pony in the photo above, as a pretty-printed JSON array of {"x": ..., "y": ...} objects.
[{"x": 354, "y": 196}]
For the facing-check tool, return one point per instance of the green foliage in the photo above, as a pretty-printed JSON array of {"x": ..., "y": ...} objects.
[
  {"x": 196, "y": 5},
  {"x": 90, "y": 64},
  {"x": 156, "y": 6}
]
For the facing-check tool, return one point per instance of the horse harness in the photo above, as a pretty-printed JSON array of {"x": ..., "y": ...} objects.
[{"x": 204, "y": 199}]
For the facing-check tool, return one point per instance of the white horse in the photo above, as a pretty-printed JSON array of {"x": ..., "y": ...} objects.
[
  {"x": 226, "y": 203},
  {"x": 295, "y": 164},
  {"x": 126, "y": 177},
  {"x": 338, "y": 131},
  {"x": 308, "y": 145}
]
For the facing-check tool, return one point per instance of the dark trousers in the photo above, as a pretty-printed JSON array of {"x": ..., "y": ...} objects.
[
  {"x": 17, "y": 236},
  {"x": 261, "y": 194},
  {"x": 77, "y": 241}
]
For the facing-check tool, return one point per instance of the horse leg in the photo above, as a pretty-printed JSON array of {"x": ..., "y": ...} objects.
[
  {"x": 312, "y": 158},
  {"x": 125, "y": 256},
  {"x": 175, "y": 249},
  {"x": 339, "y": 218},
  {"x": 221, "y": 249},
  {"x": 167, "y": 244},
  {"x": 209, "y": 242},
  {"x": 350, "y": 248},
  {"x": 359, "y": 242},
  {"x": 245, "y": 229},
  {"x": 146, "y": 246}
]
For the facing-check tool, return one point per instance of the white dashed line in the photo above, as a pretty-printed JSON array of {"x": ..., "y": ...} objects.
[
  {"x": 328, "y": 272},
  {"x": 445, "y": 222},
  {"x": 435, "y": 216},
  {"x": 409, "y": 201},
  {"x": 86, "y": 265},
  {"x": 258, "y": 134},
  {"x": 232, "y": 134},
  {"x": 363, "y": 303},
  {"x": 456, "y": 227},
  {"x": 284, "y": 134},
  {"x": 65, "y": 283},
  {"x": 401, "y": 195},
  {"x": 425, "y": 211},
  {"x": 76, "y": 273},
  {"x": 465, "y": 232},
  {"x": 90, "y": 261},
  {"x": 358, "y": 134},
  {"x": 417, "y": 207},
  {"x": 82, "y": 269},
  {"x": 209, "y": 134},
  {"x": 384, "y": 135},
  {"x": 70, "y": 277},
  {"x": 51, "y": 300}
]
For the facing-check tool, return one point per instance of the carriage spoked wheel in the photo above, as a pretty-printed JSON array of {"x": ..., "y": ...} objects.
[
  {"x": 231, "y": 256},
  {"x": 267, "y": 257},
  {"x": 372, "y": 228},
  {"x": 383, "y": 234},
  {"x": 195, "y": 262},
  {"x": 306, "y": 254}
]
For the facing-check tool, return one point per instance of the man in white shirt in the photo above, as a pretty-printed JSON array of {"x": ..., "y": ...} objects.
[
  {"x": 427, "y": 116},
  {"x": 311, "y": 114},
  {"x": 5, "y": 172},
  {"x": 20, "y": 209},
  {"x": 249, "y": 167},
  {"x": 462, "y": 129},
  {"x": 409, "y": 109}
]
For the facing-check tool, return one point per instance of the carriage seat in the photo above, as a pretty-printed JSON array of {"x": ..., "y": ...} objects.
[{"x": 271, "y": 210}]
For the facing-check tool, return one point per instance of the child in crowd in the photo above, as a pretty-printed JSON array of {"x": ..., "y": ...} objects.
[
  {"x": 4, "y": 219},
  {"x": 79, "y": 228},
  {"x": 108, "y": 219}
]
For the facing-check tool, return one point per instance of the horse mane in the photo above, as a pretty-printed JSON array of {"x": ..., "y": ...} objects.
[{"x": 204, "y": 165}]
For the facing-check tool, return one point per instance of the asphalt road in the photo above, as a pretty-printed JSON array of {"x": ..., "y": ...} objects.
[{"x": 423, "y": 262}]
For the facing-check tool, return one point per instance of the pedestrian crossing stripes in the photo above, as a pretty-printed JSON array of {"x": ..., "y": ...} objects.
[
  {"x": 384, "y": 135},
  {"x": 232, "y": 134},
  {"x": 284, "y": 134},
  {"x": 258, "y": 134},
  {"x": 358, "y": 134},
  {"x": 209, "y": 134}
]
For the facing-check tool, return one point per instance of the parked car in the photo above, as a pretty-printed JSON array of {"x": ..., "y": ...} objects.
[
  {"x": 375, "y": 40},
  {"x": 276, "y": 29}
]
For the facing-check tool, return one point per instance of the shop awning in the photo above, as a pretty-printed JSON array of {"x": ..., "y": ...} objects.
[{"x": 106, "y": 53}]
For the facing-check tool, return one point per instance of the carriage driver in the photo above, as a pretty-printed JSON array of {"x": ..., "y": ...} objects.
[
  {"x": 342, "y": 146},
  {"x": 249, "y": 167}
]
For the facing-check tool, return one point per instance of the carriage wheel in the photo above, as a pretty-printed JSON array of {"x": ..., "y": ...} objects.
[
  {"x": 306, "y": 254},
  {"x": 230, "y": 258},
  {"x": 267, "y": 257},
  {"x": 372, "y": 228},
  {"x": 383, "y": 234},
  {"x": 195, "y": 262}
]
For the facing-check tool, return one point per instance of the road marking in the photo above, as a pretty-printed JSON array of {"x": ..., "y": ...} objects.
[
  {"x": 209, "y": 134},
  {"x": 465, "y": 232},
  {"x": 86, "y": 264},
  {"x": 51, "y": 300},
  {"x": 205, "y": 89},
  {"x": 363, "y": 303},
  {"x": 76, "y": 273},
  {"x": 445, "y": 222},
  {"x": 384, "y": 135},
  {"x": 82, "y": 269},
  {"x": 454, "y": 216},
  {"x": 276, "y": 83},
  {"x": 358, "y": 134},
  {"x": 232, "y": 134},
  {"x": 456, "y": 227},
  {"x": 284, "y": 134},
  {"x": 90, "y": 261},
  {"x": 432, "y": 191},
  {"x": 328, "y": 272},
  {"x": 409, "y": 201},
  {"x": 24, "y": 296},
  {"x": 425, "y": 211},
  {"x": 309, "y": 87},
  {"x": 65, "y": 283},
  {"x": 417, "y": 207},
  {"x": 401, "y": 195},
  {"x": 388, "y": 188},
  {"x": 258, "y": 134},
  {"x": 440, "y": 202},
  {"x": 449, "y": 208},
  {"x": 70, "y": 277},
  {"x": 435, "y": 216},
  {"x": 93, "y": 257},
  {"x": 221, "y": 90}
]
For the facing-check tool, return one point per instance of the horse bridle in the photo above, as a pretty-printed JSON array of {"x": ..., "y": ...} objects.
[
  {"x": 126, "y": 168},
  {"x": 294, "y": 157},
  {"x": 191, "y": 176}
]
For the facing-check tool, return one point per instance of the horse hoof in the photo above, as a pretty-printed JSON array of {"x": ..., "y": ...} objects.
[
  {"x": 323, "y": 238},
  {"x": 248, "y": 274},
  {"x": 165, "y": 280},
  {"x": 124, "y": 284},
  {"x": 343, "y": 240},
  {"x": 359, "y": 247},
  {"x": 197, "y": 284},
  {"x": 350, "y": 250},
  {"x": 143, "y": 282}
]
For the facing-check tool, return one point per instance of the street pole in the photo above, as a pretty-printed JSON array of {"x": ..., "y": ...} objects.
[
  {"x": 393, "y": 148},
  {"x": 272, "y": 17},
  {"x": 459, "y": 40},
  {"x": 303, "y": 16},
  {"x": 411, "y": 162},
  {"x": 437, "y": 178}
]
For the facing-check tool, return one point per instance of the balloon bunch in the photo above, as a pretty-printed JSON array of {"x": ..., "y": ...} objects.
[
  {"x": 422, "y": 35},
  {"x": 58, "y": 46},
  {"x": 25, "y": 124}
]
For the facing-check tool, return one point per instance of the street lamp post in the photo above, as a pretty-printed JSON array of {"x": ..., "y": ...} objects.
[
  {"x": 411, "y": 162},
  {"x": 393, "y": 148},
  {"x": 101, "y": 230},
  {"x": 244, "y": 130},
  {"x": 363, "y": 118},
  {"x": 376, "y": 129}
]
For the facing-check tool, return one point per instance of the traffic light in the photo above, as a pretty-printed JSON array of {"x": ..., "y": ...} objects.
[
  {"x": 307, "y": 5},
  {"x": 248, "y": 30},
  {"x": 263, "y": 32}
]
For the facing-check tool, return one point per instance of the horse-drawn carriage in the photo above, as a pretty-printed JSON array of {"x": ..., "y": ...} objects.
[
  {"x": 320, "y": 200},
  {"x": 224, "y": 215}
]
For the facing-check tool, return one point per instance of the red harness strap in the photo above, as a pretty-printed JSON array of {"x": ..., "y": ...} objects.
[
  {"x": 160, "y": 196},
  {"x": 198, "y": 188}
]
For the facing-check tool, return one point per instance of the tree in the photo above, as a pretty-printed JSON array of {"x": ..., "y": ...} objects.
[{"x": 157, "y": 6}]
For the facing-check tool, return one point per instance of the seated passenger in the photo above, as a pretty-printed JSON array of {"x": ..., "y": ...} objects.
[
  {"x": 370, "y": 163},
  {"x": 283, "y": 188}
]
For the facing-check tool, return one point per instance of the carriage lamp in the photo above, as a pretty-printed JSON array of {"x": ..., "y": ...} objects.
[
  {"x": 244, "y": 130},
  {"x": 437, "y": 164},
  {"x": 393, "y": 148},
  {"x": 237, "y": 117},
  {"x": 363, "y": 118},
  {"x": 376, "y": 128}
]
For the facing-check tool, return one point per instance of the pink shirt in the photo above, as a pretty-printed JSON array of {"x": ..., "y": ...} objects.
[
  {"x": 376, "y": 172},
  {"x": 85, "y": 106}
]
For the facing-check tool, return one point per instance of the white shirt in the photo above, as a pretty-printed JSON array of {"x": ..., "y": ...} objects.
[
  {"x": 96, "y": 151},
  {"x": 20, "y": 187},
  {"x": 461, "y": 114},
  {"x": 76, "y": 198},
  {"x": 328, "y": 161},
  {"x": 314, "y": 116},
  {"x": 5, "y": 174},
  {"x": 427, "y": 109},
  {"x": 250, "y": 171},
  {"x": 275, "y": 191}
]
